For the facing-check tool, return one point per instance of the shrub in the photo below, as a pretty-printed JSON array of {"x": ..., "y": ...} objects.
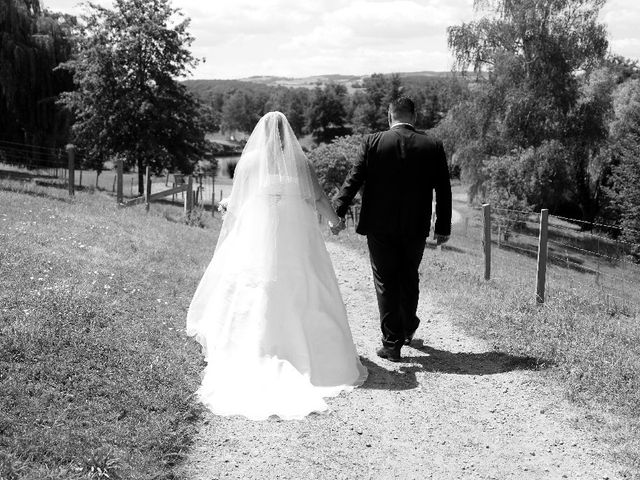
[{"x": 333, "y": 161}]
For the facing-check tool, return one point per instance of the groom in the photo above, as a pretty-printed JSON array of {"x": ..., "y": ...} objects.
[{"x": 398, "y": 170}]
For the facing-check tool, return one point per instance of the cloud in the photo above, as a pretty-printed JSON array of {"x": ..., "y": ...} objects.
[{"x": 241, "y": 38}]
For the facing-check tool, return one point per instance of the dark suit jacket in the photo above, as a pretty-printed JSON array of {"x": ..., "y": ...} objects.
[{"x": 399, "y": 170}]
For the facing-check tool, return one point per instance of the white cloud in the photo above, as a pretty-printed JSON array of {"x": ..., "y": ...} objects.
[{"x": 241, "y": 38}]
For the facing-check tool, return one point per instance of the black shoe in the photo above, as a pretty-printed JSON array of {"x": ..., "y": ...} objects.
[
  {"x": 409, "y": 338},
  {"x": 391, "y": 354}
]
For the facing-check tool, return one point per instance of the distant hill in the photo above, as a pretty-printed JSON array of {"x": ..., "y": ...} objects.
[{"x": 352, "y": 82}]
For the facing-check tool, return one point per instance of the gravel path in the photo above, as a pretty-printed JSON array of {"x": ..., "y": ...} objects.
[{"x": 452, "y": 410}]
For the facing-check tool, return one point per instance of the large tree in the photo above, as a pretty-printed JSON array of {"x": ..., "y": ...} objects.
[
  {"x": 326, "y": 114},
  {"x": 532, "y": 60},
  {"x": 623, "y": 191},
  {"x": 128, "y": 103},
  {"x": 32, "y": 43}
]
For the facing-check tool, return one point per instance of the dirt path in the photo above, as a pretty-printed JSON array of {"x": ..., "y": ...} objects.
[{"x": 452, "y": 410}]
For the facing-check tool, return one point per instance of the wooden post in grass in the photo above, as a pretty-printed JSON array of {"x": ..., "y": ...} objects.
[
  {"x": 115, "y": 179},
  {"x": 188, "y": 202},
  {"x": 542, "y": 255},
  {"x": 119, "y": 173},
  {"x": 80, "y": 183},
  {"x": 147, "y": 188},
  {"x": 486, "y": 240},
  {"x": 213, "y": 196},
  {"x": 71, "y": 154}
]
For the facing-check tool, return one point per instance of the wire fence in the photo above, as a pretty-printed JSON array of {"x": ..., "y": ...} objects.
[
  {"x": 591, "y": 258},
  {"x": 588, "y": 259},
  {"x": 50, "y": 166}
]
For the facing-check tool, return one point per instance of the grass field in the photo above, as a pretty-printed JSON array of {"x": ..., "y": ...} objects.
[
  {"x": 591, "y": 345},
  {"x": 97, "y": 375}
]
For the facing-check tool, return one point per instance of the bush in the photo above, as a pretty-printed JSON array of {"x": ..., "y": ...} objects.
[{"x": 333, "y": 161}]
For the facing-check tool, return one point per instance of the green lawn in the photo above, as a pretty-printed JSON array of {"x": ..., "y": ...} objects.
[{"x": 95, "y": 369}]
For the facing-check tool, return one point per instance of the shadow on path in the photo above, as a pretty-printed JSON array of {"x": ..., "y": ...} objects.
[{"x": 442, "y": 361}]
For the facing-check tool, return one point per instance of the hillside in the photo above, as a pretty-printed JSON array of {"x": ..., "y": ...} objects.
[{"x": 349, "y": 81}]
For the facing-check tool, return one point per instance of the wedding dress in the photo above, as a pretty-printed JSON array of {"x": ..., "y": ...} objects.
[{"x": 268, "y": 312}]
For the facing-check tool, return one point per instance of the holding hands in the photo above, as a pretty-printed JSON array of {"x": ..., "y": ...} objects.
[{"x": 337, "y": 227}]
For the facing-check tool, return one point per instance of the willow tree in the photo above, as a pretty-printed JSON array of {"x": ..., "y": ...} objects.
[
  {"x": 532, "y": 60},
  {"x": 32, "y": 44},
  {"x": 128, "y": 103}
]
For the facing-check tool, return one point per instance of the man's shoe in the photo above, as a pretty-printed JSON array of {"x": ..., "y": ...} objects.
[
  {"x": 409, "y": 338},
  {"x": 390, "y": 354}
]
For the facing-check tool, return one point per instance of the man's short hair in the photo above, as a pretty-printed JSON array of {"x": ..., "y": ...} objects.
[{"x": 402, "y": 107}]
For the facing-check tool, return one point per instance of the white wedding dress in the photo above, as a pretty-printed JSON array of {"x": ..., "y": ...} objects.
[{"x": 268, "y": 311}]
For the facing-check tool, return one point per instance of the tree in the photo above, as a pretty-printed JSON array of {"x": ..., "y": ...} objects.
[
  {"x": 531, "y": 59},
  {"x": 623, "y": 190},
  {"x": 370, "y": 109},
  {"x": 293, "y": 103},
  {"x": 326, "y": 114},
  {"x": 32, "y": 43},
  {"x": 238, "y": 113},
  {"x": 127, "y": 102}
]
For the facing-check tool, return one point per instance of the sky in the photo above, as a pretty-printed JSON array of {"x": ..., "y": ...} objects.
[{"x": 299, "y": 38}]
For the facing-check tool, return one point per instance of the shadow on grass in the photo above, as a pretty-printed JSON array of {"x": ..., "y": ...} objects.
[{"x": 442, "y": 361}]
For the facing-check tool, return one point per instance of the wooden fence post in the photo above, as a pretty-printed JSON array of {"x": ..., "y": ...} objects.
[
  {"x": 71, "y": 154},
  {"x": 486, "y": 240},
  {"x": 213, "y": 195},
  {"x": 188, "y": 203},
  {"x": 542, "y": 255},
  {"x": 147, "y": 188},
  {"x": 119, "y": 173}
]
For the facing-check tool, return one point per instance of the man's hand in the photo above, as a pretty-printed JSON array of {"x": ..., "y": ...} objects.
[
  {"x": 338, "y": 227},
  {"x": 440, "y": 239}
]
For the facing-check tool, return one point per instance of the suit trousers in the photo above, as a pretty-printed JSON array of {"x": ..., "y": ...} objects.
[{"x": 394, "y": 261}]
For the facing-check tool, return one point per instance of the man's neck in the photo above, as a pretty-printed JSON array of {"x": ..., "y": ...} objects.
[{"x": 399, "y": 122}]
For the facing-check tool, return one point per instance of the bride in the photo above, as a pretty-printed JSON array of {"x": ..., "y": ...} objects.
[{"x": 268, "y": 312}]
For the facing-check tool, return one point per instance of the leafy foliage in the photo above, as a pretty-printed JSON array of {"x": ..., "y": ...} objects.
[
  {"x": 127, "y": 102},
  {"x": 536, "y": 84},
  {"x": 326, "y": 115},
  {"x": 370, "y": 107},
  {"x": 624, "y": 188},
  {"x": 32, "y": 43},
  {"x": 333, "y": 161}
]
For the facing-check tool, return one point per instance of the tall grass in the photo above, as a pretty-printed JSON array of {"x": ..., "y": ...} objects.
[{"x": 96, "y": 373}]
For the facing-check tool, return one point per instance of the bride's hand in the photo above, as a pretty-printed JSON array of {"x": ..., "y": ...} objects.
[{"x": 336, "y": 228}]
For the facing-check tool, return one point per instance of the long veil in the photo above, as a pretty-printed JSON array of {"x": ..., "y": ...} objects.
[
  {"x": 272, "y": 164},
  {"x": 272, "y": 195}
]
